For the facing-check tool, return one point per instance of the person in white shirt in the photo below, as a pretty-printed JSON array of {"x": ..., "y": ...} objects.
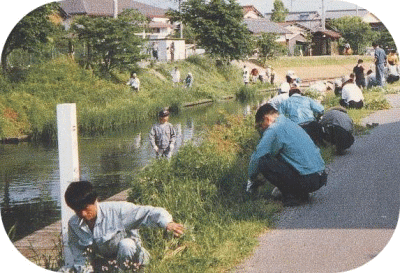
[
  {"x": 246, "y": 75},
  {"x": 176, "y": 76},
  {"x": 352, "y": 96},
  {"x": 134, "y": 82},
  {"x": 393, "y": 74}
]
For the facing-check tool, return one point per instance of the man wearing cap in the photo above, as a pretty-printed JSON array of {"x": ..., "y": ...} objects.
[
  {"x": 283, "y": 91},
  {"x": 352, "y": 96},
  {"x": 286, "y": 157},
  {"x": 163, "y": 136},
  {"x": 304, "y": 111}
]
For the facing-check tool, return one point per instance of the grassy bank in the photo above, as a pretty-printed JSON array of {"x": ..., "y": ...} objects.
[
  {"x": 203, "y": 187},
  {"x": 29, "y": 99}
]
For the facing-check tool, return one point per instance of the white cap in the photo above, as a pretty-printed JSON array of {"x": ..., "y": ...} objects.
[
  {"x": 284, "y": 88},
  {"x": 291, "y": 74}
]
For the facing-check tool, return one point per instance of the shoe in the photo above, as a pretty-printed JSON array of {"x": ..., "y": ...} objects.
[
  {"x": 290, "y": 200},
  {"x": 276, "y": 193}
]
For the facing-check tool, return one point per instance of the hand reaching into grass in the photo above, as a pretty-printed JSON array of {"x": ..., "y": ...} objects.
[{"x": 176, "y": 228}]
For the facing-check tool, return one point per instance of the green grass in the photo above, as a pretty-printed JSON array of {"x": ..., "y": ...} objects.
[
  {"x": 29, "y": 98},
  {"x": 292, "y": 62}
]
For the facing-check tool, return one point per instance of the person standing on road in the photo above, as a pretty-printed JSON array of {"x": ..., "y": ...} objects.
[
  {"x": 338, "y": 127},
  {"x": 285, "y": 156},
  {"x": 380, "y": 63},
  {"x": 162, "y": 136},
  {"x": 352, "y": 96},
  {"x": 304, "y": 111}
]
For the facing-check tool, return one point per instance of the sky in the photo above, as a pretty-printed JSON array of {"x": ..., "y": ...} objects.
[{"x": 11, "y": 11}]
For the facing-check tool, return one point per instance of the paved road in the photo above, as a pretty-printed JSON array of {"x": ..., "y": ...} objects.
[{"x": 349, "y": 221}]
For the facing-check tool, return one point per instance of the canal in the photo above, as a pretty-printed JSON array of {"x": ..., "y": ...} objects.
[{"x": 29, "y": 176}]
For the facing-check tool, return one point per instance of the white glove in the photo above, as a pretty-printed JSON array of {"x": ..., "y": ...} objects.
[{"x": 248, "y": 186}]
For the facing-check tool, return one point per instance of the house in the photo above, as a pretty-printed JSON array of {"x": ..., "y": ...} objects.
[
  {"x": 159, "y": 23},
  {"x": 364, "y": 14},
  {"x": 325, "y": 42},
  {"x": 250, "y": 11},
  {"x": 309, "y": 19},
  {"x": 299, "y": 40}
]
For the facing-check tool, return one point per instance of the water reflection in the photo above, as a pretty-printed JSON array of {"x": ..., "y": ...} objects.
[{"x": 29, "y": 181}]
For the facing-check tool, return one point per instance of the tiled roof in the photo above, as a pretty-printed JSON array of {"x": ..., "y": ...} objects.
[
  {"x": 262, "y": 25},
  {"x": 248, "y": 8},
  {"x": 106, "y": 7},
  {"x": 329, "y": 33},
  {"x": 299, "y": 16},
  {"x": 334, "y": 14}
]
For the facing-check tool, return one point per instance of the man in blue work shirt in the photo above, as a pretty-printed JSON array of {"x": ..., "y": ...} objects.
[
  {"x": 110, "y": 229},
  {"x": 380, "y": 63},
  {"x": 304, "y": 111},
  {"x": 287, "y": 157}
]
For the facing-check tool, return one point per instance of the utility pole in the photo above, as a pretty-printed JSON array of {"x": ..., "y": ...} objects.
[
  {"x": 323, "y": 16},
  {"x": 180, "y": 23}
]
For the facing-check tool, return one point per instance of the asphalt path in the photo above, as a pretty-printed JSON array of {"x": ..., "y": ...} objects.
[{"x": 349, "y": 221}]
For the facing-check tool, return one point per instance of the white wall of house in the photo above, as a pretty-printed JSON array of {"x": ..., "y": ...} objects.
[{"x": 164, "y": 49}]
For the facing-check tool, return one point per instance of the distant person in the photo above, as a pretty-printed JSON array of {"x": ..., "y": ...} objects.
[
  {"x": 155, "y": 50},
  {"x": 246, "y": 75},
  {"x": 189, "y": 80},
  {"x": 352, "y": 96},
  {"x": 338, "y": 128},
  {"x": 380, "y": 63},
  {"x": 110, "y": 228},
  {"x": 286, "y": 157},
  {"x": 283, "y": 94},
  {"x": 305, "y": 112},
  {"x": 393, "y": 58},
  {"x": 176, "y": 76},
  {"x": 347, "y": 50},
  {"x": 254, "y": 75},
  {"x": 370, "y": 79},
  {"x": 273, "y": 74},
  {"x": 134, "y": 82},
  {"x": 393, "y": 74},
  {"x": 358, "y": 70},
  {"x": 268, "y": 73},
  {"x": 290, "y": 79},
  {"x": 162, "y": 136},
  {"x": 172, "y": 51}
]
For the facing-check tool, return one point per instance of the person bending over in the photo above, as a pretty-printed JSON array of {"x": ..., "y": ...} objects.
[
  {"x": 285, "y": 156},
  {"x": 110, "y": 228},
  {"x": 304, "y": 111}
]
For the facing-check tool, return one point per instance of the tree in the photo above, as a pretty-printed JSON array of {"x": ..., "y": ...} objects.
[
  {"x": 267, "y": 45},
  {"x": 31, "y": 33},
  {"x": 218, "y": 27},
  {"x": 111, "y": 42},
  {"x": 354, "y": 31},
  {"x": 279, "y": 12},
  {"x": 385, "y": 40}
]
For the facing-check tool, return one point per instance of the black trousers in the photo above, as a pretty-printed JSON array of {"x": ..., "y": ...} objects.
[
  {"x": 352, "y": 104},
  {"x": 338, "y": 136},
  {"x": 314, "y": 130},
  {"x": 288, "y": 179}
]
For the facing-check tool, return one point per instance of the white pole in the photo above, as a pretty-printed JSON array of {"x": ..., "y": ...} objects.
[
  {"x": 115, "y": 9},
  {"x": 69, "y": 165}
]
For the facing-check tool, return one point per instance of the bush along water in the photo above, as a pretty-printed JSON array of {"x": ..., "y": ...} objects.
[
  {"x": 202, "y": 186},
  {"x": 28, "y": 104}
]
